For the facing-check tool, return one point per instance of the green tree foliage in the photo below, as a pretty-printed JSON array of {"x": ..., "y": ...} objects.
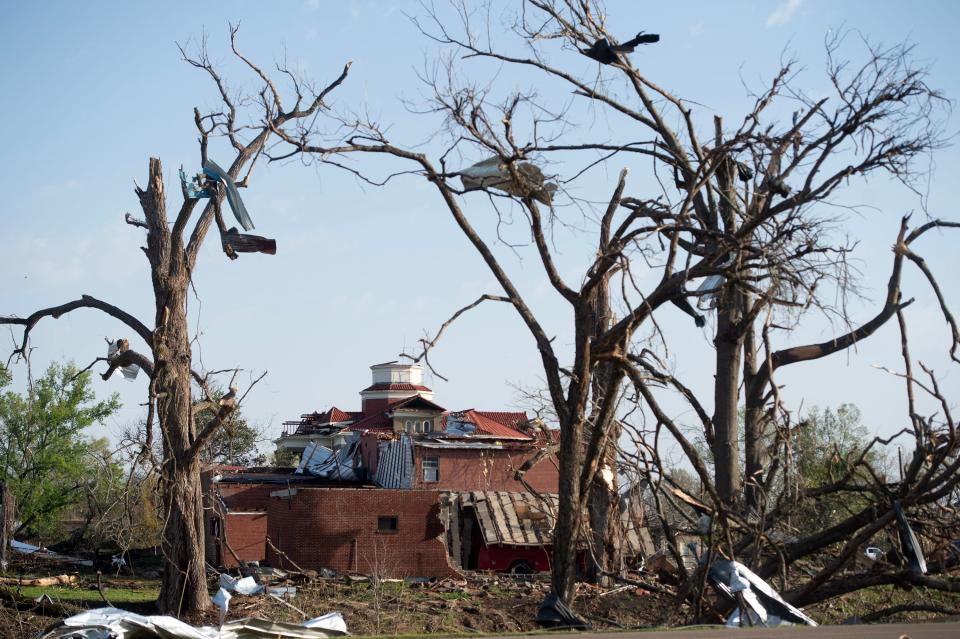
[
  {"x": 826, "y": 447},
  {"x": 284, "y": 458},
  {"x": 48, "y": 462},
  {"x": 235, "y": 444}
]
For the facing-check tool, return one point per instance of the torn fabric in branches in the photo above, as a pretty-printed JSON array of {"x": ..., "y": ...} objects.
[
  {"x": 767, "y": 607},
  {"x": 744, "y": 172},
  {"x": 116, "y": 347},
  {"x": 233, "y": 195},
  {"x": 605, "y": 53},
  {"x": 909, "y": 543},
  {"x": 194, "y": 188},
  {"x": 493, "y": 174}
]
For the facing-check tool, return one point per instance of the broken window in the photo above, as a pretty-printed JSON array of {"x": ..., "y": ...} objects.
[
  {"x": 387, "y": 523},
  {"x": 431, "y": 469}
]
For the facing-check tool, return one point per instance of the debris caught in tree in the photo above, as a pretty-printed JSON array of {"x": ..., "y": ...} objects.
[
  {"x": 605, "y": 53},
  {"x": 684, "y": 305},
  {"x": 195, "y": 188},
  {"x": 908, "y": 542},
  {"x": 233, "y": 242},
  {"x": 766, "y": 606},
  {"x": 233, "y": 195},
  {"x": 494, "y": 174},
  {"x": 118, "y": 347},
  {"x": 744, "y": 172},
  {"x": 777, "y": 186}
]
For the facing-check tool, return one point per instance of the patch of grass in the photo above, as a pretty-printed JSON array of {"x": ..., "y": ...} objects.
[
  {"x": 87, "y": 596},
  {"x": 869, "y": 600}
]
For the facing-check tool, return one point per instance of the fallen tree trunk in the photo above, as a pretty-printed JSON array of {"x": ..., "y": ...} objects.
[{"x": 59, "y": 580}]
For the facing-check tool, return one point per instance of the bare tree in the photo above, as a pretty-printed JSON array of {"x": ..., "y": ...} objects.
[
  {"x": 246, "y": 123},
  {"x": 738, "y": 223}
]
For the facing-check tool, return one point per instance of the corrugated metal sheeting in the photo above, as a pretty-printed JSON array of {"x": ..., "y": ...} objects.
[
  {"x": 525, "y": 519},
  {"x": 513, "y": 519},
  {"x": 395, "y": 463}
]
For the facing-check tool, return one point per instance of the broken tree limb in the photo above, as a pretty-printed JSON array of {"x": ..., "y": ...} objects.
[
  {"x": 234, "y": 242},
  {"x": 58, "y": 580},
  {"x": 24, "y": 604},
  {"x": 103, "y": 594},
  {"x": 85, "y": 301},
  {"x": 428, "y": 344},
  {"x": 285, "y": 556},
  {"x": 877, "y": 615},
  {"x": 126, "y": 358}
]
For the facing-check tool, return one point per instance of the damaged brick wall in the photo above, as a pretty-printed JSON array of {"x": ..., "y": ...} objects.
[
  {"x": 340, "y": 529},
  {"x": 243, "y": 525},
  {"x": 466, "y": 469},
  {"x": 247, "y": 535}
]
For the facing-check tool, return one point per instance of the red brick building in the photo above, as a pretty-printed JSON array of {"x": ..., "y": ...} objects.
[
  {"x": 371, "y": 483},
  {"x": 373, "y": 531},
  {"x": 243, "y": 524}
]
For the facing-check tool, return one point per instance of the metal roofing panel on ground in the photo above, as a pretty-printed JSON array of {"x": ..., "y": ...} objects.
[
  {"x": 491, "y": 535},
  {"x": 513, "y": 521},
  {"x": 500, "y": 523},
  {"x": 525, "y": 519}
]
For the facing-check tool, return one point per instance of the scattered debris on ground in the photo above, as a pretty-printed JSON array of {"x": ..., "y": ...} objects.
[
  {"x": 478, "y": 603},
  {"x": 123, "y": 623}
]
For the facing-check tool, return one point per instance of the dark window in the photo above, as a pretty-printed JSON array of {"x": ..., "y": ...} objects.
[{"x": 387, "y": 524}]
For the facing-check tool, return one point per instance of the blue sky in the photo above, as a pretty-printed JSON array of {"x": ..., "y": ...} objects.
[{"x": 93, "y": 90}]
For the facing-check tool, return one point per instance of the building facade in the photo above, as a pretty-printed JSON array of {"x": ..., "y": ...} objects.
[{"x": 375, "y": 489}]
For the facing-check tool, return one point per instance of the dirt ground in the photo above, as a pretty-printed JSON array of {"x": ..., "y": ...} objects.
[
  {"x": 487, "y": 605},
  {"x": 480, "y": 604}
]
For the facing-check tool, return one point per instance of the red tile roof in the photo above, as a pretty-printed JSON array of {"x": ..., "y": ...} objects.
[
  {"x": 376, "y": 422},
  {"x": 510, "y": 419},
  {"x": 381, "y": 422},
  {"x": 491, "y": 427},
  {"x": 396, "y": 386},
  {"x": 416, "y": 399},
  {"x": 335, "y": 415},
  {"x": 313, "y": 420}
]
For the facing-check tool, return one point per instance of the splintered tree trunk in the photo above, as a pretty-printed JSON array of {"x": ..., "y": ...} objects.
[
  {"x": 726, "y": 392},
  {"x": 184, "y": 587},
  {"x": 754, "y": 426},
  {"x": 604, "y": 498},
  {"x": 566, "y": 532},
  {"x": 605, "y": 524}
]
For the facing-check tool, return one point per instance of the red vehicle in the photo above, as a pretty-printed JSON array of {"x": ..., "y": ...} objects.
[{"x": 519, "y": 560}]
